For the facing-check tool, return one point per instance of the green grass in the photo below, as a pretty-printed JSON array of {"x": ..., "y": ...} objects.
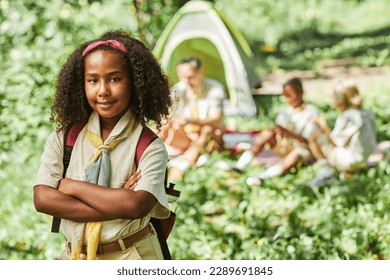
[{"x": 220, "y": 217}]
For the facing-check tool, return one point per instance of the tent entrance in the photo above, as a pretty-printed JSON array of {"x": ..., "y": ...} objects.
[
  {"x": 198, "y": 29},
  {"x": 206, "y": 51}
]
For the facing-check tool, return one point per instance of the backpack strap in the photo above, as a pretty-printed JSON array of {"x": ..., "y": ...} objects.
[
  {"x": 70, "y": 137},
  {"x": 74, "y": 132},
  {"x": 146, "y": 138}
]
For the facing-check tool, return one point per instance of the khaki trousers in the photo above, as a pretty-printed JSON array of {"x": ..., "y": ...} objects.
[{"x": 147, "y": 248}]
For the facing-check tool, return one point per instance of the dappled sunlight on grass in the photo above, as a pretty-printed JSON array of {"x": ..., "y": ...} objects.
[{"x": 282, "y": 218}]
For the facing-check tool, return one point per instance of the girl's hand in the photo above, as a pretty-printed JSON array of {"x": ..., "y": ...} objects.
[
  {"x": 64, "y": 185},
  {"x": 133, "y": 180}
]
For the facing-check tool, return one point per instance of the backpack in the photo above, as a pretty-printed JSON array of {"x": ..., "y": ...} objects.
[{"x": 163, "y": 227}]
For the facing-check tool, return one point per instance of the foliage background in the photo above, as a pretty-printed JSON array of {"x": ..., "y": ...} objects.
[{"x": 219, "y": 217}]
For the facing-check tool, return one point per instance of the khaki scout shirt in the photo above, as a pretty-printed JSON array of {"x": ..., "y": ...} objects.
[{"x": 152, "y": 166}]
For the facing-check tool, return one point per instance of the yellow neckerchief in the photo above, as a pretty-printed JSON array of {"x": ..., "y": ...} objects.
[
  {"x": 98, "y": 143},
  {"x": 93, "y": 229},
  {"x": 195, "y": 96},
  {"x": 194, "y": 106},
  {"x": 300, "y": 107}
]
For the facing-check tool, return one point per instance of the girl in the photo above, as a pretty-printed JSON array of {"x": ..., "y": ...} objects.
[
  {"x": 288, "y": 138},
  {"x": 115, "y": 84},
  {"x": 347, "y": 147}
]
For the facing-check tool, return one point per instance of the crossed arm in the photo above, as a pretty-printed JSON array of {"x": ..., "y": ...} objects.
[{"x": 82, "y": 201}]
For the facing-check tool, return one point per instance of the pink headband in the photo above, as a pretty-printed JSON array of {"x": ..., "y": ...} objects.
[{"x": 112, "y": 43}]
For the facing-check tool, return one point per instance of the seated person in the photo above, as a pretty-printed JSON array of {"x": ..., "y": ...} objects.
[
  {"x": 197, "y": 120},
  {"x": 288, "y": 139},
  {"x": 347, "y": 147}
]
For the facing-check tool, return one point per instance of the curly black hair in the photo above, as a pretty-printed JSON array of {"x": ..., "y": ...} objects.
[{"x": 150, "y": 96}]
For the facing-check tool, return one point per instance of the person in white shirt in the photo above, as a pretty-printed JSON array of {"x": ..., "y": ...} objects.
[
  {"x": 196, "y": 123},
  {"x": 289, "y": 137},
  {"x": 347, "y": 147}
]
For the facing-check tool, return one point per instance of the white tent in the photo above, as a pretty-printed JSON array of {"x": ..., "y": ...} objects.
[{"x": 199, "y": 29}]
